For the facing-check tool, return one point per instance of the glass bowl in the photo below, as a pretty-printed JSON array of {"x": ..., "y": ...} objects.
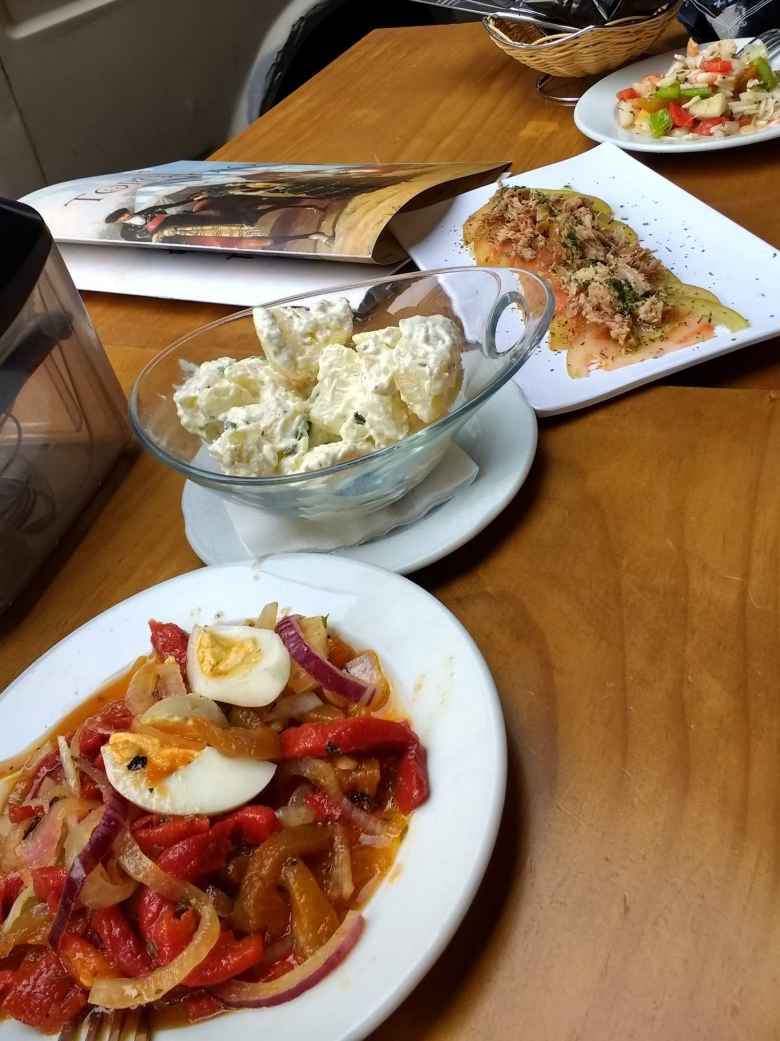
[{"x": 503, "y": 312}]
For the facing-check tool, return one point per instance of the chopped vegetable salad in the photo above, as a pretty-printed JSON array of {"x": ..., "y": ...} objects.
[{"x": 710, "y": 91}]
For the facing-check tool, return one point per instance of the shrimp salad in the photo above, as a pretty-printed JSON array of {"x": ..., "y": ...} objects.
[{"x": 710, "y": 91}]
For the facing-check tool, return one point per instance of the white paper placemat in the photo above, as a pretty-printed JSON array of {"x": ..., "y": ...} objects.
[{"x": 215, "y": 278}]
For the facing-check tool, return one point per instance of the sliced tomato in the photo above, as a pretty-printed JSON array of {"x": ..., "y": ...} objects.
[
  {"x": 705, "y": 125},
  {"x": 627, "y": 94},
  {"x": 719, "y": 65},
  {"x": 681, "y": 117}
]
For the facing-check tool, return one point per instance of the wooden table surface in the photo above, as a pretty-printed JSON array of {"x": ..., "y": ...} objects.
[{"x": 626, "y": 601}]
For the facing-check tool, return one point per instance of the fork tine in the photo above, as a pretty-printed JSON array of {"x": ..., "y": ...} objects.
[
  {"x": 94, "y": 1022},
  {"x": 142, "y": 1032},
  {"x": 116, "y": 1018}
]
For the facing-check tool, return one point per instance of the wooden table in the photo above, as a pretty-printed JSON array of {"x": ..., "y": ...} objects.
[{"x": 626, "y": 601}]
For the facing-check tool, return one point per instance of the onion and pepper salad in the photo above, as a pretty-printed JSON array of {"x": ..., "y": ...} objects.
[
  {"x": 117, "y": 892},
  {"x": 709, "y": 91}
]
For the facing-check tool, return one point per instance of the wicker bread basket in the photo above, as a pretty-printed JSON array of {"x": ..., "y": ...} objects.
[{"x": 578, "y": 54}]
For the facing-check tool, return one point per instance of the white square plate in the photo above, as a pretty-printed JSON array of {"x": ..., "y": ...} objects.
[{"x": 700, "y": 245}]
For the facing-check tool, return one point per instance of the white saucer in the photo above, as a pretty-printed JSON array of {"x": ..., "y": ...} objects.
[{"x": 501, "y": 439}]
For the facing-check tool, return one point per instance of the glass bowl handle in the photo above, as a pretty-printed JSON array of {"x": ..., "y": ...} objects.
[{"x": 535, "y": 324}]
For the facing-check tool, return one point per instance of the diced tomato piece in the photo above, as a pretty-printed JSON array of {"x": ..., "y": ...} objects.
[
  {"x": 681, "y": 117},
  {"x": 155, "y": 834},
  {"x": 10, "y": 887},
  {"x": 82, "y": 959},
  {"x": 229, "y": 957},
  {"x": 326, "y": 811},
  {"x": 96, "y": 730},
  {"x": 123, "y": 947},
  {"x": 720, "y": 65},
  {"x": 705, "y": 125},
  {"x": 48, "y": 883},
  {"x": 745, "y": 121},
  {"x": 42, "y": 994},
  {"x": 251, "y": 825},
  {"x": 627, "y": 94},
  {"x": 170, "y": 641}
]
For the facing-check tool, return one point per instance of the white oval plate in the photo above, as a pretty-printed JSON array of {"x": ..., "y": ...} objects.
[
  {"x": 441, "y": 679},
  {"x": 595, "y": 115},
  {"x": 501, "y": 439}
]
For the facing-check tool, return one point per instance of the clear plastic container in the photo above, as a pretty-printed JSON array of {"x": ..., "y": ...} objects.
[
  {"x": 503, "y": 313},
  {"x": 62, "y": 413}
]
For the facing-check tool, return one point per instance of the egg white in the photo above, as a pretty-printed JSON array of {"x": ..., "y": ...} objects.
[
  {"x": 185, "y": 706},
  {"x": 253, "y": 685},
  {"x": 211, "y": 783}
]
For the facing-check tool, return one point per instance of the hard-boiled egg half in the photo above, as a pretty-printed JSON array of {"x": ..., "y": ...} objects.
[
  {"x": 237, "y": 664},
  {"x": 162, "y": 778}
]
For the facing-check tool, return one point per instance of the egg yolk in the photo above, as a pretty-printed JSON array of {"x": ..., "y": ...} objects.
[
  {"x": 220, "y": 656},
  {"x": 156, "y": 759}
]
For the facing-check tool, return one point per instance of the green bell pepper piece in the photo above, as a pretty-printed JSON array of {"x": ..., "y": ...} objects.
[
  {"x": 765, "y": 73},
  {"x": 671, "y": 92},
  {"x": 695, "y": 92},
  {"x": 660, "y": 122}
]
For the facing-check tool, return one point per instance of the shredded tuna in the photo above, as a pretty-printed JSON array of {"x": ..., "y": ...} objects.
[{"x": 608, "y": 278}]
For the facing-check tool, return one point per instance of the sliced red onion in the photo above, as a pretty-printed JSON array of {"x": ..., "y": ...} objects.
[
  {"x": 302, "y": 978},
  {"x": 323, "y": 671},
  {"x": 366, "y": 669},
  {"x": 140, "y": 693},
  {"x": 100, "y": 841},
  {"x": 39, "y": 849},
  {"x": 169, "y": 680}
]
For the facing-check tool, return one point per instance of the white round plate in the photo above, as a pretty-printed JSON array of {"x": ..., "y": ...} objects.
[
  {"x": 501, "y": 439},
  {"x": 442, "y": 681},
  {"x": 595, "y": 115}
]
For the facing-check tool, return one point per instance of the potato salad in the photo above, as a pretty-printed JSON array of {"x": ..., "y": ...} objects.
[{"x": 321, "y": 393}]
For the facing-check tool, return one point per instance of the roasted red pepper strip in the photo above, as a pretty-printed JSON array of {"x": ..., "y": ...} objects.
[
  {"x": 170, "y": 933},
  {"x": 155, "y": 834},
  {"x": 42, "y": 994},
  {"x": 411, "y": 787},
  {"x": 10, "y": 887},
  {"x": 48, "y": 883},
  {"x": 228, "y": 958},
  {"x": 82, "y": 959},
  {"x": 122, "y": 946},
  {"x": 199, "y": 854},
  {"x": 7, "y": 977},
  {"x": 345, "y": 737},
  {"x": 251, "y": 825},
  {"x": 326, "y": 811},
  {"x": 115, "y": 716},
  {"x": 201, "y": 1006},
  {"x": 17, "y": 814},
  {"x": 169, "y": 641}
]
